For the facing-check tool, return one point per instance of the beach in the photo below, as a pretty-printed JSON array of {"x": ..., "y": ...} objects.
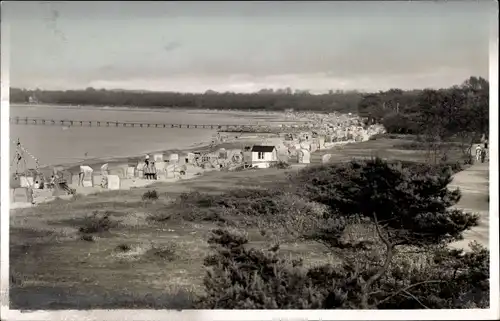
[{"x": 69, "y": 145}]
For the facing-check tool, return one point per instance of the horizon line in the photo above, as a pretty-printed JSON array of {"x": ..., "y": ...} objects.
[{"x": 294, "y": 91}]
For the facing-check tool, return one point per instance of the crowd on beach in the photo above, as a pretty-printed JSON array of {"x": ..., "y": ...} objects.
[{"x": 302, "y": 133}]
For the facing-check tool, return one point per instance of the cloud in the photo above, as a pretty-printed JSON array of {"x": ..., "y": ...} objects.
[{"x": 311, "y": 44}]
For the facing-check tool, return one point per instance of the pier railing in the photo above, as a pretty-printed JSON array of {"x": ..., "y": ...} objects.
[{"x": 105, "y": 123}]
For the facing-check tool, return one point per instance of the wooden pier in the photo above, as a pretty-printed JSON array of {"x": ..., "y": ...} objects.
[{"x": 101, "y": 123}]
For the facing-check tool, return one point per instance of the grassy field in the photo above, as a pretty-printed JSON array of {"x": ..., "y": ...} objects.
[{"x": 138, "y": 262}]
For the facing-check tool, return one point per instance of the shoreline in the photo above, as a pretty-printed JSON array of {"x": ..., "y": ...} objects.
[
  {"x": 200, "y": 146},
  {"x": 132, "y": 183},
  {"x": 131, "y": 158},
  {"x": 203, "y": 147},
  {"x": 158, "y": 109},
  {"x": 256, "y": 117},
  {"x": 207, "y": 143}
]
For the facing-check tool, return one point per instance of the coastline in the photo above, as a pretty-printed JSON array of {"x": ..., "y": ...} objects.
[
  {"x": 199, "y": 146},
  {"x": 202, "y": 141},
  {"x": 203, "y": 146},
  {"x": 43, "y": 196},
  {"x": 156, "y": 109},
  {"x": 292, "y": 121}
]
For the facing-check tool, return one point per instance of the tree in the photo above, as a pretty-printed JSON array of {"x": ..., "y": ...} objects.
[
  {"x": 242, "y": 278},
  {"x": 406, "y": 207},
  {"x": 477, "y": 91},
  {"x": 371, "y": 107},
  {"x": 380, "y": 214}
]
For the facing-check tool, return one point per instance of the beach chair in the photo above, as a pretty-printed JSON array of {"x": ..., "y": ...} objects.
[{"x": 478, "y": 153}]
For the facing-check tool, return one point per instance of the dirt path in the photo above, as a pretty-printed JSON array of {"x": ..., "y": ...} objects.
[{"x": 474, "y": 184}]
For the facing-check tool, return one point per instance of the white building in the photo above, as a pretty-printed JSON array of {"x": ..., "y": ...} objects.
[{"x": 263, "y": 156}]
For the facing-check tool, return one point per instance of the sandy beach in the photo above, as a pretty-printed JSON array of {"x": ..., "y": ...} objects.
[
  {"x": 73, "y": 145},
  {"x": 63, "y": 146}
]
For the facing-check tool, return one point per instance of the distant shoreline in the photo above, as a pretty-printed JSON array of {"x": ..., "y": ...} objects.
[
  {"x": 201, "y": 146},
  {"x": 158, "y": 109}
]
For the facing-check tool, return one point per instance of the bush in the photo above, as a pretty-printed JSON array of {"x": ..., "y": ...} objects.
[
  {"x": 97, "y": 223},
  {"x": 283, "y": 212},
  {"x": 447, "y": 279},
  {"x": 407, "y": 204},
  {"x": 432, "y": 169},
  {"x": 281, "y": 165},
  {"x": 150, "y": 195},
  {"x": 410, "y": 199},
  {"x": 165, "y": 252},
  {"x": 123, "y": 247},
  {"x": 239, "y": 277},
  {"x": 88, "y": 238}
]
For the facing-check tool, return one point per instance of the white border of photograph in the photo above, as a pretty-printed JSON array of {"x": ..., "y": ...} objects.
[{"x": 472, "y": 314}]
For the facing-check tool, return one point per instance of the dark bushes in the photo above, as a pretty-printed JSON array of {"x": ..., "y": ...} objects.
[
  {"x": 97, "y": 223},
  {"x": 281, "y": 165},
  {"x": 239, "y": 277},
  {"x": 409, "y": 199},
  {"x": 276, "y": 210},
  {"x": 150, "y": 195},
  {"x": 400, "y": 207}
]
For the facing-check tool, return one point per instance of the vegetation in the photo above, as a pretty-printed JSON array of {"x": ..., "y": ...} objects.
[
  {"x": 291, "y": 229},
  {"x": 387, "y": 224},
  {"x": 264, "y": 100},
  {"x": 281, "y": 165},
  {"x": 401, "y": 222},
  {"x": 150, "y": 195},
  {"x": 399, "y": 111},
  {"x": 97, "y": 223},
  {"x": 442, "y": 113}
]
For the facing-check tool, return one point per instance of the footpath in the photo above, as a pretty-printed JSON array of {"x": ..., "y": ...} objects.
[{"x": 474, "y": 185}]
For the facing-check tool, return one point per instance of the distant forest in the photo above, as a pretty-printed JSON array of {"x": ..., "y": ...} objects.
[{"x": 399, "y": 110}]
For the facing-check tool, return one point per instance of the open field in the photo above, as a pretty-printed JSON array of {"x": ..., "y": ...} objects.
[{"x": 143, "y": 263}]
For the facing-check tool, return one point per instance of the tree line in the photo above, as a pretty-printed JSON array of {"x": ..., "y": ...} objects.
[
  {"x": 263, "y": 100},
  {"x": 458, "y": 109},
  {"x": 442, "y": 113}
]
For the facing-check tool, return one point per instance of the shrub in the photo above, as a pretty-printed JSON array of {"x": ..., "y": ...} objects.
[
  {"x": 238, "y": 277},
  {"x": 411, "y": 201},
  {"x": 97, "y": 223},
  {"x": 406, "y": 204},
  {"x": 123, "y": 247},
  {"x": 88, "y": 238},
  {"x": 281, "y": 165},
  {"x": 446, "y": 279},
  {"x": 165, "y": 252},
  {"x": 283, "y": 212},
  {"x": 150, "y": 195},
  {"x": 427, "y": 168}
]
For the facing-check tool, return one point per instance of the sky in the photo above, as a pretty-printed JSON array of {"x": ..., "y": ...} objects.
[{"x": 249, "y": 45}]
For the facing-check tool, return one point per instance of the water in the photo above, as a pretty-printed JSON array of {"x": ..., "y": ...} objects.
[{"x": 67, "y": 144}]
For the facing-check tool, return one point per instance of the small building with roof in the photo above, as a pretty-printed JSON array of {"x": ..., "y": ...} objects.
[{"x": 264, "y": 155}]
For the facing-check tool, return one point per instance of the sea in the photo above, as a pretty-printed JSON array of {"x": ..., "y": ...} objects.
[{"x": 58, "y": 145}]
